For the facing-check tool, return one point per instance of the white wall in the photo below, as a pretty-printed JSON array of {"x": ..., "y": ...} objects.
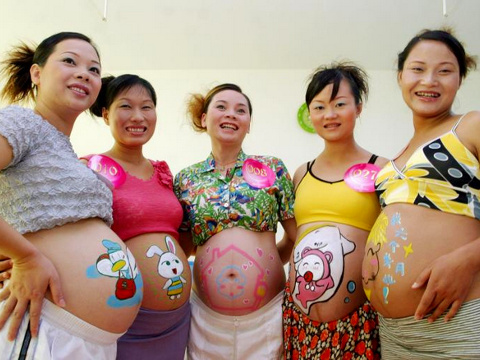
[{"x": 383, "y": 128}]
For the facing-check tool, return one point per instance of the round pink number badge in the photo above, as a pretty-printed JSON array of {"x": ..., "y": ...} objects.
[
  {"x": 257, "y": 174},
  {"x": 361, "y": 177},
  {"x": 108, "y": 168}
]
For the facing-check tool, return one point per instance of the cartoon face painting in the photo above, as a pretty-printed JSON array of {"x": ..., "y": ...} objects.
[
  {"x": 319, "y": 265},
  {"x": 169, "y": 267},
  {"x": 313, "y": 275},
  {"x": 119, "y": 264},
  {"x": 371, "y": 256}
]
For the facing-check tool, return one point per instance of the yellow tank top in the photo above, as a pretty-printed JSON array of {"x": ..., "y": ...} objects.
[{"x": 320, "y": 200}]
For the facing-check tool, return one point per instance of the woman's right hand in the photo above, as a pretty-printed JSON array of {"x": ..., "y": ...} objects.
[
  {"x": 5, "y": 269},
  {"x": 30, "y": 279}
]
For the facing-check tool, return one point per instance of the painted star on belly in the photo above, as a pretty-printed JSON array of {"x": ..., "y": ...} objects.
[{"x": 408, "y": 250}]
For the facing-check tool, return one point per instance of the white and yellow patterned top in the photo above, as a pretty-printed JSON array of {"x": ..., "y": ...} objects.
[{"x": 442, "y": 174}]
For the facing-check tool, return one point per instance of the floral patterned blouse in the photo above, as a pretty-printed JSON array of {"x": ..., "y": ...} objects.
[{"x": 213, "y": 202}]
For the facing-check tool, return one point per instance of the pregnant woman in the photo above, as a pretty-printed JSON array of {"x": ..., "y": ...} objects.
[{"x": 55, "y": 214}]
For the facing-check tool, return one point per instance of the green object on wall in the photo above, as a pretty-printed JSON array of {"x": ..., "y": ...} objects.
[{"x": 303, "y": 117}]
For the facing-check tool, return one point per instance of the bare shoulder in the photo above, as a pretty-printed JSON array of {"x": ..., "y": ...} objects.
[
  {"x": 470, "y": 120},
  {"x": 474, "y": 113},
  {"x": 468, "y": 131},
  {"x": 299, "y": 174},
  {"x": 381, "y": 161}
]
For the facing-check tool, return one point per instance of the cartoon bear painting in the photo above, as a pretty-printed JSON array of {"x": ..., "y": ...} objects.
[{"x": 319, "y": 265}]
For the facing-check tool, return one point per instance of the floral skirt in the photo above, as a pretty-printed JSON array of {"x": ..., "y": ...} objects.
[{"x": 355, "y": 336}]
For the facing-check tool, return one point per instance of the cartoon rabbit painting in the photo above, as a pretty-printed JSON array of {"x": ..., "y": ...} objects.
[{"x": 169, "y": 267}]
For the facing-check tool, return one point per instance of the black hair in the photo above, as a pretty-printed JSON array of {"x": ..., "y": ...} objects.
[
  {"x": 334, "y": 74},
  {"x": 17, "y": 64},
  {"x": 112, "y": 86},
  {"x": 445, "y": 36}
]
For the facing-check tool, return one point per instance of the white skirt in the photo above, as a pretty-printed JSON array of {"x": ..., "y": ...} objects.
[{"x": 248, "y": 337}]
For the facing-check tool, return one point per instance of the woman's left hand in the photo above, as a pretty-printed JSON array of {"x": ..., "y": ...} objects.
[{"x": 447, "y": 282}]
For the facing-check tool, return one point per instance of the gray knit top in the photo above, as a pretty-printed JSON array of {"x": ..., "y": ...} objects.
[{"x": 45, "y": 185}]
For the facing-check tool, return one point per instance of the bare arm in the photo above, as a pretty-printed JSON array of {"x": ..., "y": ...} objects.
[
  {"x": 31, "y": 275},
  {"x": 299, "y": 174},
  {"x": 285, "y": 245},
  {"x": 448, "y": 280}
]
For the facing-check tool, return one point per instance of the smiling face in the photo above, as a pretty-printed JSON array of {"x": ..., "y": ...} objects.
[
  {"x": 227, "y": 119},
  {"x": 430, "y": 79},
  {"x": 132, "y": 117},
  {"x": 334, "y": 119},
  {"x": 70, "y": 79}
]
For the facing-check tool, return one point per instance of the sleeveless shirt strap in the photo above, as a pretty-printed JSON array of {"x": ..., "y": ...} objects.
[
  {"x": 309, "y": 166},
  {"x": 373, "y": 158},
  {"x": 454, "y": 128}
]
